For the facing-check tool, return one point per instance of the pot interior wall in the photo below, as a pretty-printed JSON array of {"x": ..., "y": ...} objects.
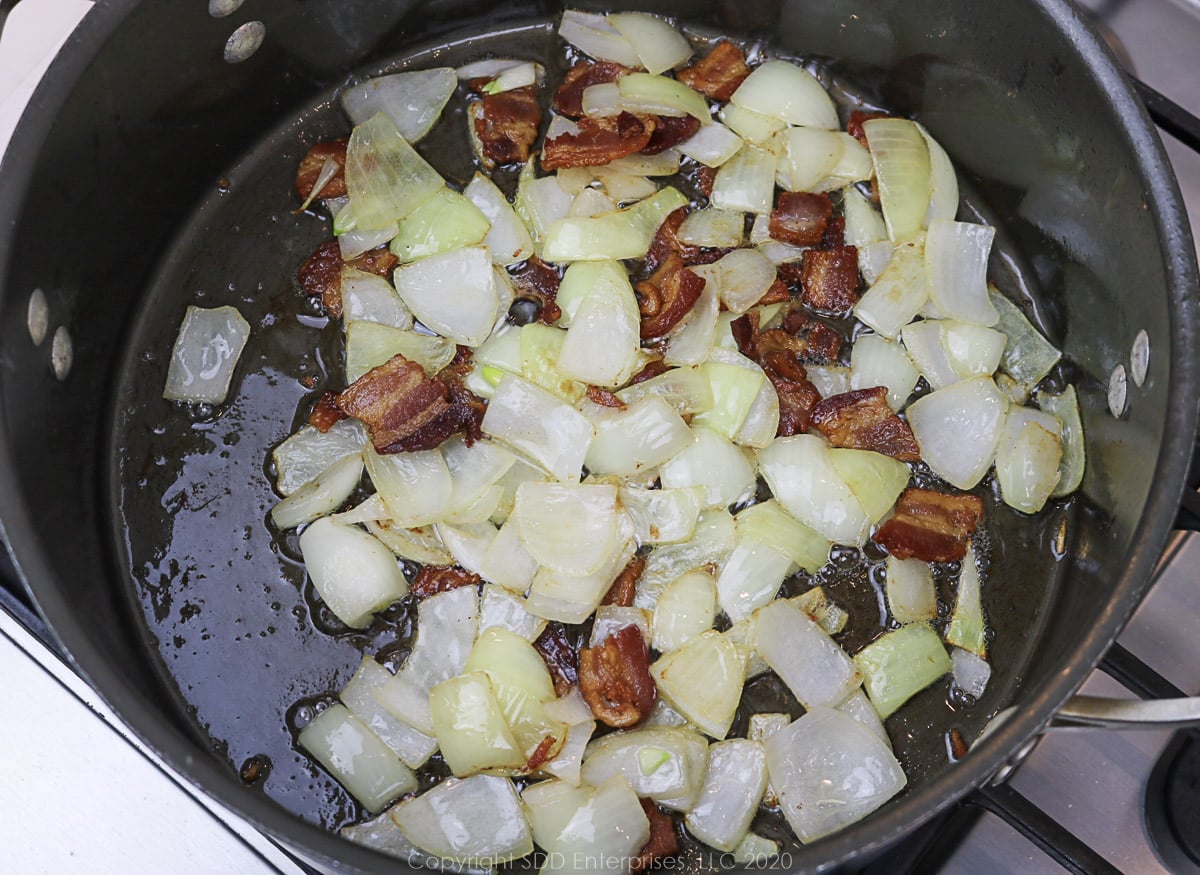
[{"x": 149, "y": 126}]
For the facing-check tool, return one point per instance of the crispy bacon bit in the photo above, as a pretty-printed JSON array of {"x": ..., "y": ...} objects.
[
  {"x": 540, "y": 754},
  {"x": 381, "y": 262},
  {"x": 835, "y": 233},
  {"x": 465, "y": 417},
  {"x": 599, "y": 141},
  {"x": 604, "y": 398},
  {"x": 325, "y": 413},
  {"x": 854, "y": 127},
  {"x": 829, "y": 278},
  {"x": 560, "y": 657},
  {"x": 958, "y": 744},
  {"x": 539, "y": 280},
  {"x": 703, "y": 178},
  {"x": 779, "y": 353},
  {"x": 800, "y": 217},
  {"x": 663, "y": 841},
  {"x": 614, "y": 677},
  {"x": 666, "y": 240},
  {"x": 432, "y": 579},
  {"x": 824, "y": 343},
  {"x": 624, "y": 588},
  {"x": 862, "y": 420},
  {"x": 321, "y": 277},
  {"x": 568, "y": 97},
  {"x": 507, "y": 124},
  {"x": 667, "y": 296},
  {"x": 313, "y": 163},
  {"x": 931, "y": 526},
  {"x": 653, "y": 368},
  {"x": 669, "y": 131},
  {"x": 777, "y": 293},
  {"x": 797, "y": 398},
  {"x": 719, "y": 73},
  {"x": 394, "y": 401}
]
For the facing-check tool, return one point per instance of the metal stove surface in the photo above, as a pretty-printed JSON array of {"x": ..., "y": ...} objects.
[{"x": 118, "y": 810}]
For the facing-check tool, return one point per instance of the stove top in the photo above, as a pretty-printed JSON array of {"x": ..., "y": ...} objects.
[{"x": 125, "y": 806}]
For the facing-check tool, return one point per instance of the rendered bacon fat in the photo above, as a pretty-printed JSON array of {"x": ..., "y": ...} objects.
[
  {"x": 931, "y": 526},
  {"x": 862, "y": 420},
  {"x": 614, "y": 677}
]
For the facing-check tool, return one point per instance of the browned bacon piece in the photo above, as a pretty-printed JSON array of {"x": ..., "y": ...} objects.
[
  {"x": 719, "y": 73},
  {"x": 325, "y": 413},
  {"x": 829, "y": 278},
  {"x": 662, "y": 843},
  {"x": 313, "y": 163},
  {"x": 394, "y": 401},
  {"x": 854, "y": 126},
  {"x": 465, "y": 416},
  {"x": 507, "y": 125},
  {"x": 624, "y": 588},
  {"x": 779, "y": 353},
  {"x": 667, "y": 296},
  {"x": 931, "y": 526},
  {"x": 669, "y": 131},
  {"x": 653, "y": 368},
  {"x": 568, "y": 97},
  {"x": 432, "y": 579},
  {"x": 777, "y": 293},
  {"x": 599, "y": 141},
  {"x": 835, "y": 233},
  {"x": 381, "y": 262},
  {"x": 666, "y": 240},
  {"x": 540, "y": 754},
  {"x": 604, "y": 398},
  {"x": 703, "y": 177},
  {"x": 800, "y": 217},
  {"x": 614, "y": 677},
  {"x": 821, "y": 343},
  {"x": 539, "y": 280},
  {"x": 560, "y": 657},
  {"x": 797, "y": 398},
  {"x": 862, "y": 420},
  {"x": 321, "y": 277}
]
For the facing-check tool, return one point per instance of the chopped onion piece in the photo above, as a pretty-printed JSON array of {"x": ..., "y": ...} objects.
[
  {"x": 540, "y": 349},
  {"x": 667, "y": 96},
  {"x": 475, "y": 820},
  {"x": 602, "y": 342},
  {"x": 807, "y": 660},
  {"x": 788, "y": 92},
  {"x": 958, "y": 429},
  {"x": 469, "y": 724},
  {"x": 416, "y": 487},
  {"x": 593, "y": 35},
  {"x": 624, "y": 234},
  {"x": 540, "y": 201},
  {"x": 413, "y": 100},
  {"x": 873, "y": 259},
  {"x": 419, "y": 545},
  {"x": 750, "y": 578},
  {"x": 971, "y": 673},
  {"x": 762, "y": 419},
  {"x": 591, "y": 202},
  {"x": 956, "y": 257},
  {"x": 713, "y": 227},
  {"x": 412, "y": 746},
  {"x": 703, "y": 681},
  {"x": 473, "y": 468},
  {"x": 1066, "y": 408},
  {"x": 911, "y": 595},
  {"x": 755, "y": 851},
  {"x": 354, "y": 755},
  {"x": 830, "y": 379},
  {"x": 745, "y": 276},
  {"x": 746, "y": 182},
  {"x": 665, "y": 764},
  {"x": 972, "y": 350},
  {"x": 860, "y": 708},
  {"x": 875, "y": 479},
  {"x": 943, "y": 197},
  {"x": 624, "y": 188},
  {"x": 684, "y": 388},
  {"x": 468, "y": 543},
  {"x": 453, "y": 293},
  {"x": 714, "y": 463},
  {"x": 506, "y": 561},
  {"x": 735, "y": 389},
  {"x": 899, "y": 664},
  {"x": 662, "y": 516},
  {"x": 877, "y": 361},
  {"x": 768, "y": 523},
  {"x": 1028, "y": 356},
  {"x": 1028, "y": 457},
  {"x": 319, "y": 497},
  {"x": 567, "y": 765},
  {"x": 354, "y": 574},
  {"x": 354, "y": 243},
  {"x": 733, "y": 786},
  {"x": 488, "y": 68},
  {"x": 751, "y": 127},
  {"x": 386, "y": 177},
  {"x": 532, "y": 421},
  {"x": 569, "y": 528},
  {"x": 821, "y": 610},
  {"x": 712, "y": 145},
  {"x": 712, "y": 542},
  {"x": 659, "y": 45},
  {"x": 609, "y": 619},
  {"x": 641, "y": 437},
  {"x": 803, "y": 478},
  {"x": 899, "y": 293},
  {"x": 571, "y": 599},
  {"x": 371, "y": 344},
  {"x": 864, "y": 223},
  {"x": 205, "y": 354},
  {"x": 806, "y": 157},
  {"x": 442, "y": 222},
  {"x": 381, "y": 834},
  {"x": 830, "y": 771},
  {"x": 691, "y": 341},
  {"x": 370, "y": 298},
  {"x": 925, "y": 343},
  {"x": 685, "y": 609},
  {"x": 665, "y": 163},
  {"x": 606, "y": 830},
  {"x": 853, "y": 165},
  {"x": 519, "y": 75},
  {"x": 903, "y": 169}
]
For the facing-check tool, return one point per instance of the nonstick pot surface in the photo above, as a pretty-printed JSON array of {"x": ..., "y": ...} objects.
[{"x": 205, "y": 634}]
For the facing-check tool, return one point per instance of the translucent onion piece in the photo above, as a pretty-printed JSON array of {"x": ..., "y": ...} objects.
[
  {"x": 713, "y": 227},
  {"x": 416, "y": 487},
  {"x": 412, "y": 746},
  {"x": 469, "y": 724},
  {"x": 1028, "y": 457},
  {"x": 703, "y": 681},
  {"x": 659, "y": 45},
  {"x": 806, "y": 157},
  {"x": 745, "y": 276},
  {"x": 803, "y": 479},
  {"x": 714, "y": 463},
  {"x": 319, "y": 497},
  {"x": 468, "y": 543},
  {"x": 540, "y": 201},
  {"x": 684, "y": 388},
  {"x": 385, "y": 176},
  {"x": 958, "y": 429},
  {"x": 780, "y": 253},
  {"x": 903, "y": 169},
  {"x": 370, "y": 298},
  {"x": 911, "y": 595},
  {"x": 746, "y": 182},
  {"x": 540, "y": 349},
  {"x": 518, "y": 75},
  {"x": 735, "y": 388},
  {"x": 413, "y": 100},
  {"x": 488, "y": 68},
  {"x": 550, "y": 805},
  {"x": 662, "y": 516},
  {"x": 354, "y": 243},
  {"x": 569, "y": 528},
  {"x": 370, "y": 509},
  {"x": 381, "y": 834},
  {"x": 750, "y": 578},
  {"x": 691, "y": 341},
  {"x": 685, "y": 609},
  {"x": 444, "y": 221},
  {"x": 591, "y": 202},
  {"x": 473, "y": 468},
  {"x": 821, "y": 610},
  {"x": 877, "y": 361},
  {"x": 624, "y": 188},
  {"x": 665, "y": 163},
  {"x": 733, "y": 786},
  {"x": 419, "y": 545},
  {"x": 453, "y": 293},
  {"x": 943, "y": 197},
  {"x": 1066, "y": 408},
  {"x": 712, "y": 145},
  {"x": 477, "y": 820},
  {"x": 864, "y": 223},
  {"x": 602, "y": 342},
  {"x": 925, "y": 343},
  {"x": 666, "y": 95},
  {"x": 899, "y": 664},
  {"x": 860, "y": 708},
  {"x": 371, "y": 344},
  {"x": 971, "y": 673},
  {"x": 873, "y": 259},
  {"x": 1028, "y": 356},
  {"x": 665, "y": 764},
  {"x": 532, "y": 421},
  {"x": 712, "y": 542},
  {"x": 972, "y": 350},
  {"x": 567, "y": 765},
  {"x": 611, "y": 618},
  {"x": 354, "y": 755},
  {"x": 788, "y": 92},
  {"x": 762, "y": 419},
  {"x": 522, "y": 683},
  {"x": 205, "y": 355},
  {"x": 853, "y": 165},
  {"x": 768, "y": 523},
  {"x": 755, "y": 851},
  {"x": 571, "y": 599},
  {"x": 807, "y": 660},
  {"x": 956, "y": 256},
  {"x": 875, "y": 479},
  {"x": 830, "y": 771},
  {"x": 829, "y": 379},
  {"x": 354, "y": 574},
  {"x": 593, "y": 35},
  {"x": 641, "y": 437},
  {"x": 507, "y": 562},
  {"x": 752, "y": 127},
  {"x": 612, "y": 236},
  {"x": 899, "y": 293},
  {"x": 606, "y": 831}
]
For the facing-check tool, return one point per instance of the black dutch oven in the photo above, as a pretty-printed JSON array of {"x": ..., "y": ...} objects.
[{"x": 152, "y": 171}]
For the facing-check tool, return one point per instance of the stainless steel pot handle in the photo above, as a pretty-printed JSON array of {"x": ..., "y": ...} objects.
[{"x": 1105, "y": 713}]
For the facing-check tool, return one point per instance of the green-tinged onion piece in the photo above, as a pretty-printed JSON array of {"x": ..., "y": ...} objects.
[
  {"x": 624, "y": 234},
  {"x": 385, "y": 176},
  {"x": 1028, "y": 357},
  {"x": 685, "y": 609},
  {"x": 370, "y": 344},
  {"x": 472, "y": 820},
  {"x": 967, "y": 629},
  {"x": 304, "y": 455},
  {"x": 205, "y": 354},
  {"x": 1066, "y": 408},
  {"x": 901, "y": 663},
  {"x": 768, "y": 523},
  {"x": 413, "y": 100},
  {"x": 801, "y": 473},
  {"x": 321, "y": 496},
  {"x": 659, "y": 46},
  {"x": 1028, "y": 457},
  {"x": 668, "y": 96},
  {"x": 353, "y": 754},
  {"x": 446, "y": 220},
  {"x": 903, "y": 169}
]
